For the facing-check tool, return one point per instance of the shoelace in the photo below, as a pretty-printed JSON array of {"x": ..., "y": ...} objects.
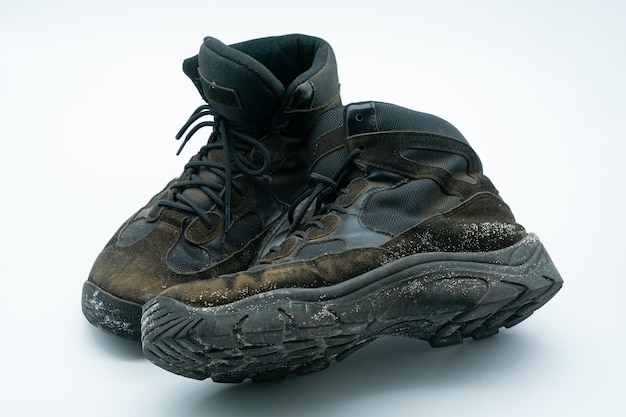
[
  {"x": 235, "y": 142},
  {"x": 323, "y": 189}
]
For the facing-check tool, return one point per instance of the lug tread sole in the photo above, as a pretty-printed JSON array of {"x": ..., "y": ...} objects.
[
  {"x": 270, "y": 337},
  {"x": 111, "y": 314}
]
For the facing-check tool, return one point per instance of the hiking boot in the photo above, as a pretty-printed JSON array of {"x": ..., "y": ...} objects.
[
  {"x": 400, "y": 233},
  {"x": 262, "y": 97}
]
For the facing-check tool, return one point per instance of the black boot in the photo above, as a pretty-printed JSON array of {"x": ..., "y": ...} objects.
[
  {"x": 261, "y": 98},
  {"x": 400, "y": 233}
]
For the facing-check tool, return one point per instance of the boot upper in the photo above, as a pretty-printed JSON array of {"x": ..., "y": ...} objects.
[
  {"x": 386, "y": 182},
  {"x": 261, "y": 99}
]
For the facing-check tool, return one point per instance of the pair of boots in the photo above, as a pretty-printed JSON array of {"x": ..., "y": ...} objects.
[{"x": 304, "y": 229}]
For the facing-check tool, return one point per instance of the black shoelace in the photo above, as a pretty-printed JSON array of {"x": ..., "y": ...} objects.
[
  {"x": 235, "y": 142},
  {"x": 322, "y": 190}
]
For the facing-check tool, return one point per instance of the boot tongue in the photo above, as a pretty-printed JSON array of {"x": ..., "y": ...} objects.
[
  {"x": 328, "y": 146},
  {"x": 238, "y": 88},
  {"x": 234, "y": 84},
  {"x": 258, "y": 86}
]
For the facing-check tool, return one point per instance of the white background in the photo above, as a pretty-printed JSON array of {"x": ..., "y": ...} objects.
[{"x": 91, "y": 94}]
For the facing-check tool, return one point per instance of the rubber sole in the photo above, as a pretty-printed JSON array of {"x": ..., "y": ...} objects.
[
  {"x": 438, "y": 297},
  {"x": 110, "y": 313}
]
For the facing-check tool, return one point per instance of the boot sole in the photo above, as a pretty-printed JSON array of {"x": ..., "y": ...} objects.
[
  {"x": 442, "y": 298},
  {"x": 112, "y": 314}
]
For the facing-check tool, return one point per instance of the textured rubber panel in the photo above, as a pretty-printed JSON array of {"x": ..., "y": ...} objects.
[
  {"x": 438, "y": 297},
  {"x": 112, "y": 314}
]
